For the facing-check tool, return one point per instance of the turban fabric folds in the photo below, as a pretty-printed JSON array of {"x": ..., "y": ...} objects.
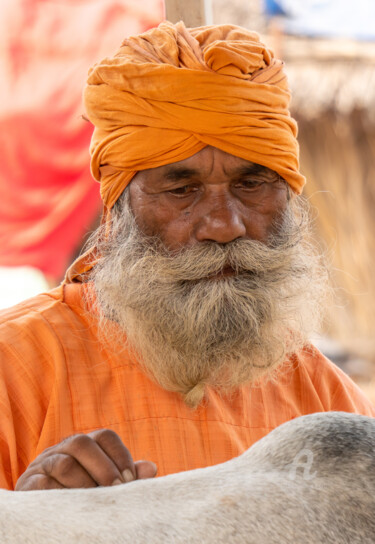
[{"x": 172, "y": 91}]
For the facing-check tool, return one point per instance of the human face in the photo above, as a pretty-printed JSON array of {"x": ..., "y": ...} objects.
[{"x": 211, "y": 196}]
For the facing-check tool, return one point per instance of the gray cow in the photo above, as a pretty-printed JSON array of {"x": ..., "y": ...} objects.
[{"x": 311, "y": 480}]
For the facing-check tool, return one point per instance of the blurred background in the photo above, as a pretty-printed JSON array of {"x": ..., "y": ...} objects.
[{"x": 49, "y": 202}]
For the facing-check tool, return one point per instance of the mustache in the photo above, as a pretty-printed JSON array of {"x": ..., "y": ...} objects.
[{"x": 249, "y": 258}]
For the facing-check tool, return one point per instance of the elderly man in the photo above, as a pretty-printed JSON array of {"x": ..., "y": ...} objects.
[{"x": 181, "y": 336}]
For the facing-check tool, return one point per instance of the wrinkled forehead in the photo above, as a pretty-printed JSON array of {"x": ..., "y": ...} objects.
[{"x": 208, "y": 162}]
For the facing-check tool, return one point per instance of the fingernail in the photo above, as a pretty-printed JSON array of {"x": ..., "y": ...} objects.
[
  {"x": 128, "y": 475},
  {"x": 117, "y": 482}
]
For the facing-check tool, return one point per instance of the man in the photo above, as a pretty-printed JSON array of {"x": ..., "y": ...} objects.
[{"x": 181, "y": 335}]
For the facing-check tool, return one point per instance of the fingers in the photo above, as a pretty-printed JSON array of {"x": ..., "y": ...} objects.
[
  {"x": 100, "y": 467},
  {"x": 145, "y": 469},
  {"x": 97, "y": 459},
  {"x": 35, "y": 482},
  {"x": 115, "y": 450},
  {"x": 67, "y": 471}
]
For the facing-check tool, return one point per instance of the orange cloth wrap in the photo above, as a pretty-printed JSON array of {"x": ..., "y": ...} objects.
[{"x": 172, "y": 91}]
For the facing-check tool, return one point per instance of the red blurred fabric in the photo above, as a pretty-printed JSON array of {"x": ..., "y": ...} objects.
[{"x": 48, "y": 198}]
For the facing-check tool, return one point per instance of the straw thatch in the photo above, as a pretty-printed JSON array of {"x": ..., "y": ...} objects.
[
  {"x": 333, "y": 87},
  {"x": 326, "y": 75},
  {"x": 338, "y": 158}
]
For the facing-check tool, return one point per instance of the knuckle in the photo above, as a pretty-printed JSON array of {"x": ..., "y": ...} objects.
[
  {"x": 40, "y": 458},
  {"x": 106, "y": 435},
  {"x": 78, "y": 442},
  {"x": 48, "y": 464},
  {"x": 65, "y": 465}
]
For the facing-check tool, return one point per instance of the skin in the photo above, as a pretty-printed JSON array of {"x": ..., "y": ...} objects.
[
  {"x": 85, "y": 460},
  {"x": 211, "y": 196}
]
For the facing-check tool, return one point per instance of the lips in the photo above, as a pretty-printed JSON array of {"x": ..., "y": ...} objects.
[{"x": 224, "y": 272}]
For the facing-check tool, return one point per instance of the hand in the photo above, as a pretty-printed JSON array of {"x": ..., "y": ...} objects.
[{"x": 85, "y": 460}]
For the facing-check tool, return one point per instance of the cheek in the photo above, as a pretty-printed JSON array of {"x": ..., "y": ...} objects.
[
  {"x": 261, "y": 220},
  {"x": 175, "y": 231},
  {"x": 156, "y": 216},
  {"x": 258, "y": 225},
  {"x": 172, "y": 227}
]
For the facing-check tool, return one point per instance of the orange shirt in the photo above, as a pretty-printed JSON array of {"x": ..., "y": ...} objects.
[{"x": 57, "y": 380}]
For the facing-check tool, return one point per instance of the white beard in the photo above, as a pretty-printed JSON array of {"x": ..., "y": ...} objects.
[{"x": 190, "y": 330}]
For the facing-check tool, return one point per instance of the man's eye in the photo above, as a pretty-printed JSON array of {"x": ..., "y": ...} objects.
[
  {"x": 250, "y": 184},
  {"x": 183, "y": 190}
]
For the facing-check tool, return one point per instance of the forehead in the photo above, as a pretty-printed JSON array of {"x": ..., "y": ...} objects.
[{"x": 206, "y": 162}]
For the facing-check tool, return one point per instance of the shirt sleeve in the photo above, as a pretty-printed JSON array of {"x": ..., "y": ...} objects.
[
  {"x": 24, "y": 385},
  {"x": 348, "y": 397},
  {"x": 337, "y": 390},
  {"x": 7, "y": 438},
  {"x": 13, "y": 421}
]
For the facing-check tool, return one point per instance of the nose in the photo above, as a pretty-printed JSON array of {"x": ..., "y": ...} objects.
[{"x": 220, "y": 220}]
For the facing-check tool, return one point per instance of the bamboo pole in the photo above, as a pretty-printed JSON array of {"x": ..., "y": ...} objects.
[{"x": 192, "y": 12}]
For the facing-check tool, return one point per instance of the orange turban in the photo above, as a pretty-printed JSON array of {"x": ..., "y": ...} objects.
[{"x": 172, "y": 91}]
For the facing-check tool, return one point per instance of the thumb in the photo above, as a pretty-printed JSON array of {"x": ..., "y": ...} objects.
[{"x": 145, "y": 469}]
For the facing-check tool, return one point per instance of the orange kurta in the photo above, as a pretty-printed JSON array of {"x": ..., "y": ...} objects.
[{"x": 56, "y": 380}]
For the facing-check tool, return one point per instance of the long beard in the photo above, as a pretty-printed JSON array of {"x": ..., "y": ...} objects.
[{"x": 189, "y": 325}]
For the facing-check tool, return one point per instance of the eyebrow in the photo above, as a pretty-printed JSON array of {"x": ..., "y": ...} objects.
[
  {"x": 177, "y": 173},
  {"x": 251, "y": 170}
]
